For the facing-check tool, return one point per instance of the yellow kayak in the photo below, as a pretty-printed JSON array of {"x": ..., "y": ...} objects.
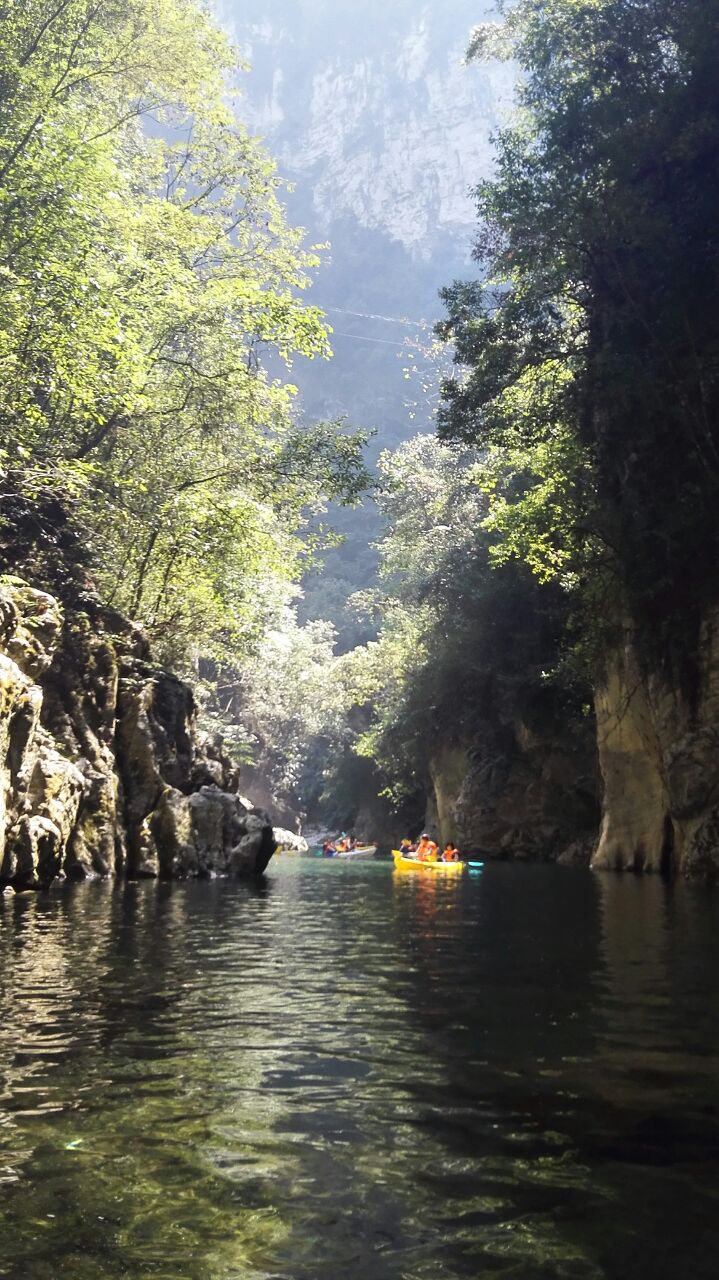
[{"x": 413, "y": 864}]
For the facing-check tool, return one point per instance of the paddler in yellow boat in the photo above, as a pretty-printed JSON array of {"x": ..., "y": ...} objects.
[
  {"x": 430, "y": 863},
  {"x": 427, "y": 850},
  {"x": 450, "y": 853}
]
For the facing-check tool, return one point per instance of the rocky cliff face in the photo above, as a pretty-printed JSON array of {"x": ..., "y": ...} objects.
[
  {"x": 647, "y": 799},
  {"x": 659, "y": 759},
  {"x": 517, "y": 792},
  {"x": 102, "y": 769},
  {"x": 376, "y": 113}
]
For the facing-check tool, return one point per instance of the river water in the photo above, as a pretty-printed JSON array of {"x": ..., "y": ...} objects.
[{"x": 343, "y": 1074}]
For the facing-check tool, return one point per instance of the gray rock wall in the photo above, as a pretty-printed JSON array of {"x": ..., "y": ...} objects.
[
  {"x": 514, "y": 792},
  {"x": 659, "y": 759},
  {"x": 378, "y": 115},
  {"x": 646, "y": 798},
  {"x": 102, "y": 769}
]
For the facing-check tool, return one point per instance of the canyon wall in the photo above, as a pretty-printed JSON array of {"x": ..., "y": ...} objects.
[
  {"x": 380, "y": 121},
  {"x": 517, "y": 792},
  {"x": 659, "y": 756},
  {"x": 644, "y": 798}
]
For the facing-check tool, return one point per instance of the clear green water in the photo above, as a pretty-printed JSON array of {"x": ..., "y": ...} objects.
[{"x": 345, "y": 1075}]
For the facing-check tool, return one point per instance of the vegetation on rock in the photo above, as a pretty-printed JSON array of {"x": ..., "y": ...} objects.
[
  {"x": 469, "y": 653},
  {"x": 560, "y": 534},
  {"x": 585, "y": 410}
]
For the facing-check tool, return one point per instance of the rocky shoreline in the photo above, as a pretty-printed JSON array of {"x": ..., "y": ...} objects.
[{"x": 103, "y": 771}]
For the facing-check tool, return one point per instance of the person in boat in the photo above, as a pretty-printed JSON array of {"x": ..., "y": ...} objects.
[
  {"x": 450, "y": 853},
  {"x": 426, "y": 848},
  {"x": 406, "y": 848},
  {"x": 328, "y": 849}
]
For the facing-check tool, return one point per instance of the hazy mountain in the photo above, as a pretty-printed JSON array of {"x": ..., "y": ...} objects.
[
  {"x": 371, "y": 108},
  {"x": 372, "y": 113}
]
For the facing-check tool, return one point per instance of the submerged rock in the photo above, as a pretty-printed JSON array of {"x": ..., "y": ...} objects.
[{"x": 102, "y": 768}]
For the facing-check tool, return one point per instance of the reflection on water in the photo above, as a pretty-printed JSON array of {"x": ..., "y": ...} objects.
[{"x": 349, "y": 1072}]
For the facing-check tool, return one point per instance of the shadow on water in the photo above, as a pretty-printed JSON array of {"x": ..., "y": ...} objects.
[
  {"x": 339, "y": 1072},
  {"x": 517, "y": 1133}
]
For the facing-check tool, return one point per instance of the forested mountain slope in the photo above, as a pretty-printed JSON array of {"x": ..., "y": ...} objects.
[
  {"x": 583, "y": 419},
  {"x": 539, "y": 672},
  {"x": 154, "y": 482}
]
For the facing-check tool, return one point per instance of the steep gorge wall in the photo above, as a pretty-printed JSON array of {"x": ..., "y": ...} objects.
[
  {"x": 518, "y": 792},
  {"x": 379, "y": 121},
  {"x": 646, "y": 800},
  {"x": 102, "y": 769},
  {"x": 659, "y": 759}
]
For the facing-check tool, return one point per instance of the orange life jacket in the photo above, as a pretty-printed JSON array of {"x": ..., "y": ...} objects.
[{"x": 427, "y": 851}]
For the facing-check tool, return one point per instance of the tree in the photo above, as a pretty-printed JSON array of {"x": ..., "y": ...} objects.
[
  {"x": 287, "y": 698},
  {"x": 590, "y": 345},
  {"x": 461, "y": 641},
  {"x": 146, "y": 265}
]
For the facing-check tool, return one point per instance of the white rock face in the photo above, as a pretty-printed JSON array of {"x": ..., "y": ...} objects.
[{"x": 394, "y": 134}]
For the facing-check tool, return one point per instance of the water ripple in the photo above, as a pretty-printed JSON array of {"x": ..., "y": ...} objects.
[{"x": 347, "y": 1073}]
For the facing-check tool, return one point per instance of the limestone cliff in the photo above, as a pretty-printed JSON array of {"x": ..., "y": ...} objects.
[
  {"x": 376, "y": 115},
  {"x": 659, "y": 759},
  {"x": 516, "y": 791},
  {"x": 646, "y": 800},
  {"x": 102, "y": 768}
]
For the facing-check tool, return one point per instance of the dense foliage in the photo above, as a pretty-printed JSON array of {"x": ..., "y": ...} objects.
[
  {"x": 590, "y": 349},
  {"x": 580, "y": 491},
  {"x": 462, "y": 644},
  {"x": 148, "y": 270},
  {"x": 146, "y": 265},
  {"x": 286, "y": 708}
]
